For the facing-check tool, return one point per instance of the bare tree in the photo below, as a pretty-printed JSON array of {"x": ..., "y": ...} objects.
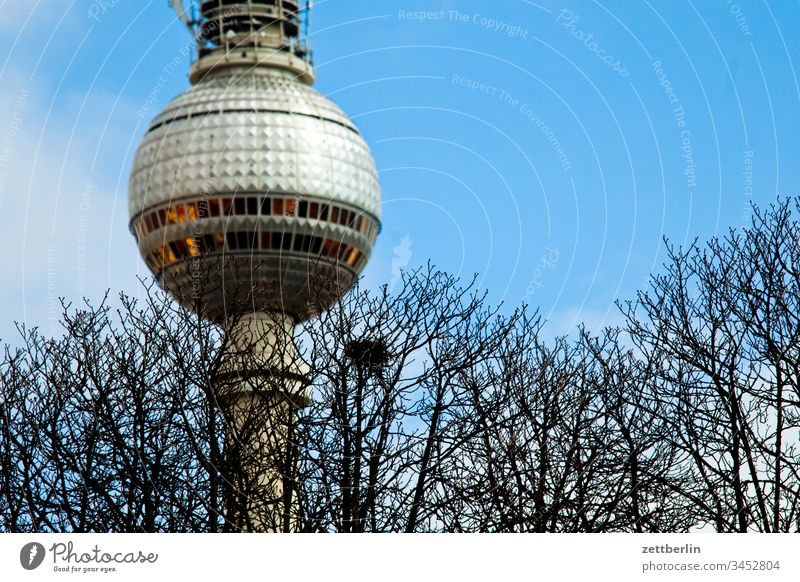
[
  {"x": 422, "y": 410},
  {"x": 392, "y": 377},
  {"x": 94, "y": 425},
  {"x": 123, "y": 422},
  {"x": 722, "y": 324},
  {"x": 577, "y": 445}
]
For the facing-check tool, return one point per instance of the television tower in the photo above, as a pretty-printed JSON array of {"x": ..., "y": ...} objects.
[{"x": 254, "y": 201}]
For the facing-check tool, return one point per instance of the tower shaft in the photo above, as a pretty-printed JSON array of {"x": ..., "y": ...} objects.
[{"x": 260, "y": 389}]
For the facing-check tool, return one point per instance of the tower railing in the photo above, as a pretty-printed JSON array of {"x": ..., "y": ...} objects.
[{"x": 272, "y": 33}]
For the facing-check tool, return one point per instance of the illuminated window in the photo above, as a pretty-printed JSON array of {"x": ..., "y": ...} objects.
[
  {"x": 192, "y": 246},
  {"x": 172, "y": 216},
  {"x": 220, "y": 241},
  {"x": 313, "y": 210},
  {"x": 181, "y": 212},
  {"x": 334, "y": 215},
  {"x": 191, "y": 211},
  {"x": 290, "y": 207},
  {"x": 165, "y": 255},
  {"x": 277, "y": 206},
  {"x": 352, "y": 257}
]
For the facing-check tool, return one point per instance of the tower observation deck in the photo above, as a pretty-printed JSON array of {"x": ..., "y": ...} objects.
[{"x": 252, "y": 182}]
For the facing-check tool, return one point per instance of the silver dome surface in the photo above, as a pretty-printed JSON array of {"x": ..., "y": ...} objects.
[
  {"x": 252, "y": 180},
  {"x": 256, "y": 129}
]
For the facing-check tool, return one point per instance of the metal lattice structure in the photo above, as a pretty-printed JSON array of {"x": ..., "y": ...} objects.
[{"x": 252, "y": 32}]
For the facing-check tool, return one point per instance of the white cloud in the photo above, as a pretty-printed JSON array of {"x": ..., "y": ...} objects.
[{"x": 63, "y": 230}]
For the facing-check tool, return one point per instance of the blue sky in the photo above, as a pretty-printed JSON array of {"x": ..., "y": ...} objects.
[{"x": 547, "y": 146}]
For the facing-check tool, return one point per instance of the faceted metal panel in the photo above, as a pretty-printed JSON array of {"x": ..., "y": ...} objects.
[
  {"x": 255, "y": 131},
  {"x": 258, "y": 130}
]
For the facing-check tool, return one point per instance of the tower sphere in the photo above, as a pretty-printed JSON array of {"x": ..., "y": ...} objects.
[{"x": 251, "y": 189}]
